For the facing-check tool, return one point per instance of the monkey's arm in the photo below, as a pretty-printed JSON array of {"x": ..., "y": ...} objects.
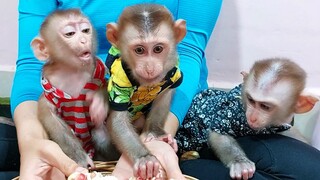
[
  {"x": 157, "y": 117},
  {"x": 158, "y": 114},
  {"x": 61, "y": 133},
  {"x": 231, "y": 154},
  {"x": 128, "y": 142}
]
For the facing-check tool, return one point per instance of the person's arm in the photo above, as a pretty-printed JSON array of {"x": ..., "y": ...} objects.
[
  {"x": 201, "y": 17},
  {"x": 38, "y": 154}
]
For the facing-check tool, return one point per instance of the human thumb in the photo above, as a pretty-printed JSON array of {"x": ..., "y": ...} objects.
[{"x": 57, "y": 158}]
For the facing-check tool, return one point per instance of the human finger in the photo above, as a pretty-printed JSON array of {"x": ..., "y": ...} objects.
[{"x": 57, "y": 158}]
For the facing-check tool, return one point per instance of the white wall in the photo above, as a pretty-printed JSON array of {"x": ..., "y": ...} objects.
[
  {"x": 250, "y": 30},
  {"x": 9, "y": 33},
  {"x": 8, "y": 45}
]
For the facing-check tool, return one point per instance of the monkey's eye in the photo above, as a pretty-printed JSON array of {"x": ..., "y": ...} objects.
[
  {"x": 250, "y": 99},
  {"x": 87, "y": 30},
  {"x": 139, "y": 50},
  {"x": 158, "y": 49},
  {"x": 69, "y": 34},
  {"x": 265, "y": 107}
]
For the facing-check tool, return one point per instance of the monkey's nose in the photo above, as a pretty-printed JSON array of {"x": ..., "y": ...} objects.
[
  {"x": 83, "y": 40},
  {"x": 150, "y": 70}
]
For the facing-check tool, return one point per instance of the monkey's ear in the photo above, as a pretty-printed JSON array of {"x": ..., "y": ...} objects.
[
  {"x": 305, "y": 103},
  {"x": 180, "y": 29},
  {"x": 40, "y": 50},
  {"x": 112, "y": 33},
  {"x": 244, "y": 75}
]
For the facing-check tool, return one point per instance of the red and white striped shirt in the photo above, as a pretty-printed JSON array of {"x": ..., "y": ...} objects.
[{"x": 75, "y": 110}]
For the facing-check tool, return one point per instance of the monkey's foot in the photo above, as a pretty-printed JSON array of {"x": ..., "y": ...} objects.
[{"x": 242, "y": 169}]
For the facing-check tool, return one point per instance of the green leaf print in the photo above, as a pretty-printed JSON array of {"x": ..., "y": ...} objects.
[{"x": 122, "y": 99}]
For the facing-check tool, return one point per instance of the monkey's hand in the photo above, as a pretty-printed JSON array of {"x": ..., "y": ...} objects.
[
  {"x": 83, "y": 159},
  {"x": 241, "y": 168},
  {"x": 99, "y": 106},
  {"x": 146, "y": 167}
]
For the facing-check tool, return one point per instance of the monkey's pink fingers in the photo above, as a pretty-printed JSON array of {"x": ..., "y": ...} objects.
[
  {"x": 154, "y": 169},
  {"x": 242, "y": 170},
  {"x": 136, "y": 169},
  {"x": 250, "y": 173},
  {"x": 146, "y": 167},
  {"x": 150, "y": 167},
  {"x": 245, "y": 174},
  {"x": 142, "y": 171},
  {"x": 235, "y": 171}
]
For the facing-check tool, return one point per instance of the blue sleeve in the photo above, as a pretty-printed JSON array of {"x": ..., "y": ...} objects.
[
  {"x": 201, "y": 17},
  {"x": 26, "y": 83}
]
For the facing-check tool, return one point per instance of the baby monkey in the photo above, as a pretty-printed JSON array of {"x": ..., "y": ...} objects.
[
  {"x": 143, "y": 62},
  {"x": 73, "y": 79},
  {"x": 264, "y": 104}
]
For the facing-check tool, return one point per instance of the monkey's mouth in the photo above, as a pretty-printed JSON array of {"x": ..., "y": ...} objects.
[
  {"x": 254, "y": 126},
  {"x": 85, "y": 56}
]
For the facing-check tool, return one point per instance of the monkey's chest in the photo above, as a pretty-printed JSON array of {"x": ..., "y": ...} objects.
[
  {"x": 126, "y": 94},
  {"x": 136, "y": 99}
]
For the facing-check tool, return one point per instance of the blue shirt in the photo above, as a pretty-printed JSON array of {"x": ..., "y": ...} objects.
[{"x": 200, "y": 15}]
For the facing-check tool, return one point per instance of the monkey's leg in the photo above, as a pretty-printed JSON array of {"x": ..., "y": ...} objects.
[
  {"x": 60, "y": 132},
  {"x": 231, "y": 154},
  {"x": 105, "y": 149}
]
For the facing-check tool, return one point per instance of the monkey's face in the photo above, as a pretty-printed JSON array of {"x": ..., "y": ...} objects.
[
  {"x": 75, "y": 41},
  {"x": 258, "y": 113},
  {"x": 149, "y": 55},
  {"x": 268, "y": 104}
]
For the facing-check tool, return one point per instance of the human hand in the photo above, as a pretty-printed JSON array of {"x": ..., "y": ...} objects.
[{"x": 44, "y": 159}]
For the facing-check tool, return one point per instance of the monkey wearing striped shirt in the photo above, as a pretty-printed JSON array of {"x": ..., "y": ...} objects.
[{"x": 73, "y": 107}]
